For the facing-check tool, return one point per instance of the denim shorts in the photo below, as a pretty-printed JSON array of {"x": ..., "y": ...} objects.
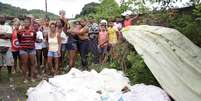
[
  {"x": 53, "y": 54},
  {"x": 28, "y": 52},
  {"x": 103, "y": 50}
]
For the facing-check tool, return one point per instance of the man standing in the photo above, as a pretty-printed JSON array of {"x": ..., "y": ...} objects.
[
  {"x": 5, "y": 44},
  {"x": 93, "y": 36},
  {"x": 83, "y": 42}
]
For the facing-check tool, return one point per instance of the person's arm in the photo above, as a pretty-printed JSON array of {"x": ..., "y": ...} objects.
[
  {"x": 59, "y": 42},
  {"x": 47, "y": 38},
  {"x": 133, "y": 18},
  {"x": 5, "y": 36},
  {"x": 80, "y": 32},
  {"x": 66, "y": 28}
]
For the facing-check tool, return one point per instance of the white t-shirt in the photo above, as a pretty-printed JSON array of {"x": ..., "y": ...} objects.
[
  {"x": 45, "y": 34},
  {"x": 5, "y": 29},
  {"x": 64, "y": 38},
  {"x": 39, "y": 35},
  {"x": 118, "y": 25}
]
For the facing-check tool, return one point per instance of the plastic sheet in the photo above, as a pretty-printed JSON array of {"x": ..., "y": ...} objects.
[
  {"x": 86, "y": 86},
  {"x": 172, "y": 58}
]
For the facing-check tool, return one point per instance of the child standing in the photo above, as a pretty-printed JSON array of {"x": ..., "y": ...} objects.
[
  {"x": 112, "y": 34},
  {"x": 102, "y": 42},
  {"x": 112, "y": 37}
]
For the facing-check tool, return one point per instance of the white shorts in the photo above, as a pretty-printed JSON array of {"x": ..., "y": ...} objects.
[{"x": 6, "y": 59}]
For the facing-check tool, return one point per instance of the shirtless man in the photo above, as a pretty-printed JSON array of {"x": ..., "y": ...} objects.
[{"x": 83, "y": 42}]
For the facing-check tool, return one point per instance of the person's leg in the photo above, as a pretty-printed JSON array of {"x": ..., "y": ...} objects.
[
  {"x": 49, "y": 62},
  {"x": 72, "y": 58},
  {"x": 93, "y": 45},
  {"x": 1, "y": 63},
  {"x": 9, "y": 62},
  {"x": 105, "y": 54},
  {"x": 72, "y": 48},
  {"x": 63, "y": 53},
  {"x": 24, "y": 60},
  {"x": 56, "y": 65},
  {"x": 45, "y": 52},
  {"x": 84, "y": 49},
  {"x": 0, "y": 72},
  {"x": 39, "y": 60},
  {"x": 18, "y": 62},
  {"x": 9, "y": 68},
  {"x": 32, "y": 57},
  {"x": 15, "y": 56}
]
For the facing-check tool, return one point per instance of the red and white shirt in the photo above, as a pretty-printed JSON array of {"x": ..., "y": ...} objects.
[{"x": 27, "y": 39}]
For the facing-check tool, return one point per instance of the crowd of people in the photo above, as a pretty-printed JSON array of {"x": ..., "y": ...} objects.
[{"x": 39, "y": 46}]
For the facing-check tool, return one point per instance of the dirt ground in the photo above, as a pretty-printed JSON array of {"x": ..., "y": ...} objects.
[{"x": 13, "y": 90}]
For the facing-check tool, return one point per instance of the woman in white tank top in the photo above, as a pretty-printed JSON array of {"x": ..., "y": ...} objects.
[
  {"x": 53, "y": 49},
  {"x": 53, "y": 42}
]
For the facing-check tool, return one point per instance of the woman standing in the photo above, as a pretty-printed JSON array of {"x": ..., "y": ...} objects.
[
  {"x": 15, "y": 45},
  {"x": 103, "y": 42},
  {"x": 54, "y": 45},
  {"x": 64, "y": 39},
  {"x": 27, "y": 37},
  {"x": 38, "y": 46},
  {"x": 45, "y": 29},
  {"x": 72, "y": 45}
]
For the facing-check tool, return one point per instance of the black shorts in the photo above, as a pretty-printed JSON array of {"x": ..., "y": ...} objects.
[
  {"x": 72, "y": 43},
  {"x": 16, "y": 55},
  {"x": 72, "y": 46}
]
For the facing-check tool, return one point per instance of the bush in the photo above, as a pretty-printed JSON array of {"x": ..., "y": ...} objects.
[
  {"x": 188, "y": 26},
  {"x": 185, "y": 22},
  {"x": 138, "y": 72}
]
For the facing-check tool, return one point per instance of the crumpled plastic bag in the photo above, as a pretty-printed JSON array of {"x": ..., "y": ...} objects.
[
  {"x": 141, "y": 92},
  {"x": 84, "y": 86}
]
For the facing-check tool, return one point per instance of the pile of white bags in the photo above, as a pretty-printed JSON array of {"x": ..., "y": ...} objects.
[{"x": 93, "y": 86}]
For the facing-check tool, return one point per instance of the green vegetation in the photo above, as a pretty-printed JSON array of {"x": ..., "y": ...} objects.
[
  {"x": 8, "y": 10},
  {"x": 88, "y": 9},
  {"x": 125, "y": 58},
  {"x": 106, "y": 9}
]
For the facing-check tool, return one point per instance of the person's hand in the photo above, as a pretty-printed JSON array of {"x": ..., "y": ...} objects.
[{"x": 69, "y": 31}]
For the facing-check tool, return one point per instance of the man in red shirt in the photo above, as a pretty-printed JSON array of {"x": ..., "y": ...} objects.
[{"x": 27, "y": 37}]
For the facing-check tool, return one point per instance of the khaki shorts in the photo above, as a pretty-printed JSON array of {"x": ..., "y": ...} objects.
[{"x": 6, "y": 59}]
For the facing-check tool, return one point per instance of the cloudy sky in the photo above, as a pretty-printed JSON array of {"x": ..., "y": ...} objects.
[{"x": 72, "y": 7}]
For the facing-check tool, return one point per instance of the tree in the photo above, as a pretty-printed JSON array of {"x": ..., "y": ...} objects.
[
  {"x": 108, "y": 8},
  {"x": 8, "y": 10},
  {"x": 89, "y": 8},
  {"x": 126, "y": 4}
]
